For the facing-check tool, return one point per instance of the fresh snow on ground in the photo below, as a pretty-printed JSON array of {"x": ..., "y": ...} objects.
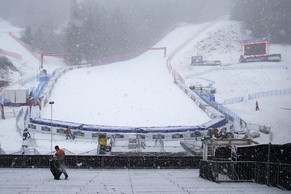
[
  {"x": 233, "y": 79},
  {"x": 127, "y": 181},
  {"x": 141, "y": 92}
]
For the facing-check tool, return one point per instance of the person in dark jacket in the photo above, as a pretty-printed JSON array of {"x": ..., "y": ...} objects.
[
  {"x": 60, "y": 154},
  {"x": 25, "y": 134},
  {"x": 257, "y": 105}
]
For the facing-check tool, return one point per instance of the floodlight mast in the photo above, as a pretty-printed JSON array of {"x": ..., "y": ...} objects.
[{"x": 51, "y": 103}]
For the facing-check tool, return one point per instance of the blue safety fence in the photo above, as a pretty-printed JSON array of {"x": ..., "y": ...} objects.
[
  {"x": 39, "y": 89},
  {"x": 225, "y": 111},
  {"x": 48, "y": 125}
]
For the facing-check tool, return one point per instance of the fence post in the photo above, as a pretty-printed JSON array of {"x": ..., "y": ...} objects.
[
  {"x": 205, "y": 142},
  {"x": 268, "y": 164},
  {"x": 256, "y": 172}
]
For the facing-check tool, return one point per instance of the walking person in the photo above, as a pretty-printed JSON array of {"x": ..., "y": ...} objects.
[
  {"x": 68, "y": 133},
  {"x": 60, "y": 154},
  {"x": 25, "y": 134},
  {"x": 103, "y": 142},
  {"x": 25, "y": 143},
  {"x": 24, "y": 147},
  {"x": 257, "y": 105}
]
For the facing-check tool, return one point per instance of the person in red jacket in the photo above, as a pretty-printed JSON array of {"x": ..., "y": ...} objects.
[{"x": 60, "y": 154}]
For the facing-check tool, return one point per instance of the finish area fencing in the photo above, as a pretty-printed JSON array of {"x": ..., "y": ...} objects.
[
  {"x": 271, "y": 174},
  {"x": 257, "y": 95}
]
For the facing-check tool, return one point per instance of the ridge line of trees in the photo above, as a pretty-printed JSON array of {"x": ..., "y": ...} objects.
[
  {"x": 88, "y": 29},
  {"x": 265, "y": 18}
]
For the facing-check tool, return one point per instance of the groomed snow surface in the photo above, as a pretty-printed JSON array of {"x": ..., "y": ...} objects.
[{"x": 140, "y": 92}]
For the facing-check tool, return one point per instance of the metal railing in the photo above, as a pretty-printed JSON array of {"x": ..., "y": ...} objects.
[
  {"x": 269, "y": 93},
  {"x": 222, "y": 109},
  {"x": 271, "y": 174},
  {"x": 286, "y": 91},
  {"x": 237, "y": 67}
]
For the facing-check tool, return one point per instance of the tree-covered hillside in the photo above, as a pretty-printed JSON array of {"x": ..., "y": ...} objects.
[
  {"x": 86, "y": 29},
  {"x": 265, "y": 18}
]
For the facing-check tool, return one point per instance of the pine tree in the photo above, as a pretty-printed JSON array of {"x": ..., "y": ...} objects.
[
  {"x": 27, "y": 35},
  {"x": 265, "y": 18},
  {"x": 73, "y": 43}
]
